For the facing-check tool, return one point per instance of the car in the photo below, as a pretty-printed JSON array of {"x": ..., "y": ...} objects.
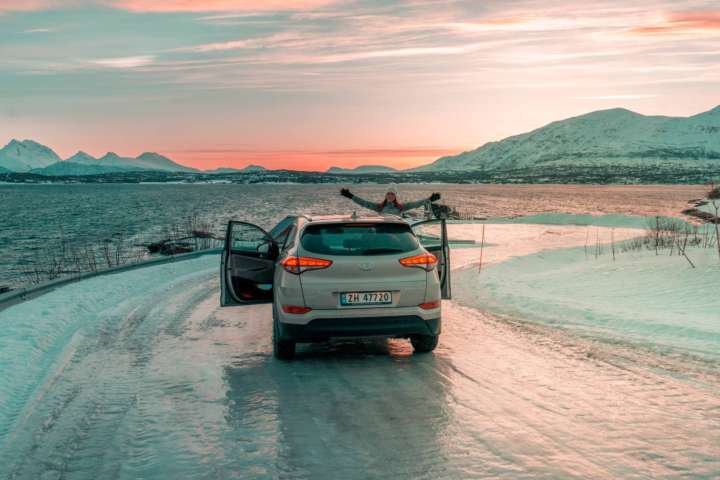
[{"x": 340, "y": 276}]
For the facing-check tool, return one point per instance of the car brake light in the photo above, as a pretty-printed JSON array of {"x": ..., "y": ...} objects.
[
  {"x": 296, "y": 310},
  {"x": 298, "y": 265},
  {"x": 430, "y": 305},
  {"x": 426, "y": 261}
]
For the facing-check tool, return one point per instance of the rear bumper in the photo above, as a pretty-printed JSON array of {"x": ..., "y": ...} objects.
[{"x": 391, "y": 326}]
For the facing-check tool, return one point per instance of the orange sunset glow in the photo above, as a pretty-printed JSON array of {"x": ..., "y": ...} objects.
[{"x": 310, "y": 160}]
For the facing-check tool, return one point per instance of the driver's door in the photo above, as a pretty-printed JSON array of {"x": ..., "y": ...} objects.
[
  {"x": 247, "y": 265},
  {"x": 432, "y": 234}
]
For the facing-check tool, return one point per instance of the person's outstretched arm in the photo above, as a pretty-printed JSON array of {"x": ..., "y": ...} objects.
[
  {"x": 419, "y": 203},
  {"x": 359, "y": 200}
]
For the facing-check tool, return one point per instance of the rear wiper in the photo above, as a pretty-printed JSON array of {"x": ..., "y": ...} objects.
[{"x": 379, "y": 251}]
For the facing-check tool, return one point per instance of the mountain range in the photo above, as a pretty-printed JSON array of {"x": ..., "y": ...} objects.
[
  {"x": 146, "y": 161},
  {"x": 605, "y": 138},
  {"x": 29, "y": 156},
  {"x": 248, "y": 169}
]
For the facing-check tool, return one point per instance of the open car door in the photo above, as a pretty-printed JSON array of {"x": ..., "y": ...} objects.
[
  {"x": 432, "y": 234},
  {"x": 247, "y": 266}
]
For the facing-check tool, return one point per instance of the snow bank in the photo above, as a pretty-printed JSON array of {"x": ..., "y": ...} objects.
[
  {"x": 36, "y": 333},
  {"x": 610, "y": 220},
  {"x": 656, "y": 300},
  {"x": 505, "y": 241},
  {"x": 607, "y": 220},
  {"x": 708, "y": 207}
]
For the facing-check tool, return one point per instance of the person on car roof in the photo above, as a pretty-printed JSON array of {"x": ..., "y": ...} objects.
[{"x": 390, "y": 204}]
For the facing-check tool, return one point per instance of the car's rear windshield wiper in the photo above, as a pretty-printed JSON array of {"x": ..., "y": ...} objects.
[{"x": 380, "y": 251}]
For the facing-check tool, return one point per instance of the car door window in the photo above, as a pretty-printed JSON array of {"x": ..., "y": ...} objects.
[
  {"x": 247, "y": 265},
  {"x": 247, "y": 239},
  {"x": 432, "y": 235}
]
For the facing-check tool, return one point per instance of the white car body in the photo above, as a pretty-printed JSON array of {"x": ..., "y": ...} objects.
[{"x": 340, "y": 276}]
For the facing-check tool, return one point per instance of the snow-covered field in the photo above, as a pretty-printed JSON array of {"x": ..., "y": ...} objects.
[
  {"x": 505, "y": 241},
  {"x": 709, "y": 207},
  {"x": 141, "y": 375},
  {"x": 654, "y": 300}
]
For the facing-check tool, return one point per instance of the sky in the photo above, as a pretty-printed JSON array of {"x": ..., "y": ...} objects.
[{"x": 307, "y": 84}]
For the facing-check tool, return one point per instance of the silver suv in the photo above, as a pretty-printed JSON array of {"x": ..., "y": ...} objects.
[{"x": 340, "y": 276}]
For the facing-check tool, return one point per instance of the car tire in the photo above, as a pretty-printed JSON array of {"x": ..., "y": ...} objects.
[
  {"x": 424, "y": 343},
  {"x": 282, "y": 349}
]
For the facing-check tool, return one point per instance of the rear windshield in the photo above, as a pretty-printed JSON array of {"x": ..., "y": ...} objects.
[{"x": 359, "y": 239}]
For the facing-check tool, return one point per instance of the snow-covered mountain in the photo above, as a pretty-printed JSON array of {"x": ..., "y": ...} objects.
[
  {"x": 146, "y": 161},
  {"x": 603, "y": 138},
  {"x": 248, "y": 169},
  {"x": 82, "y": 158},
  {"x": 82, "y": 164},
  {"x": 362, "y": 169},
  {"x": 155, "y": 161},
  {"x": 24, "y": 156},
  {"x": 30, "y": 156}
]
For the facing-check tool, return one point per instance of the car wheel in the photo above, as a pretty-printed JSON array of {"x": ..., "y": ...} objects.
[
  {"x": 424, "y": 343},
  {"x": 282, "y": 349}
]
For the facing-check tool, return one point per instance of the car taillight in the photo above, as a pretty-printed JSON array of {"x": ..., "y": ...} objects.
[
  {"x": 430, "y": 305},
  {"x": 296, "y": 310},
  {"x": 425, "y": 261},
  {"x": 298, "y": 265}
]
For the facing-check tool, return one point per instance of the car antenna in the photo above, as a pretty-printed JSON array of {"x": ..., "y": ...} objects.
[{"x": 354, "y": 215}]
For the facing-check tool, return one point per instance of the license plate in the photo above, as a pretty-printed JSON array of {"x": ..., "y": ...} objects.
[{"x": 365, "y": 298}]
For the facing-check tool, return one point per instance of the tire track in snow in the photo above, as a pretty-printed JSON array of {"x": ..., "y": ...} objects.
[
  {"x": 582, "y": 410},
  {"x": 76, "y": 419}
]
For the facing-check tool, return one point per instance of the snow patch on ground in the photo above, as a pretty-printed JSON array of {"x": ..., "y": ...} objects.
[
  {"x": 36, "y": 333},
  {"x": 505, "y": 241},
  {"x": 609, "y": 220},
  {"x": 709, "y": 207},
  {"x": 650, "y": 299}
]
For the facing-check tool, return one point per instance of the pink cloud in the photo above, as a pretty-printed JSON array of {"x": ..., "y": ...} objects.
[
  {"x": 218, "y": 5},
  {"x": 27, "y": 5},
  {"x": 682, "y": 22}
]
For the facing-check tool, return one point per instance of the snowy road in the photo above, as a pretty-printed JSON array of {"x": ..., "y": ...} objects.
[{"x": 150, "y": 379}]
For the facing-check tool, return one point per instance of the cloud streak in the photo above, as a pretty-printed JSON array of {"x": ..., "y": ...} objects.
[
  {"x": 39, "y": 30},
  {"x": 218, "y": 5},
  {"x": 28, "y": 5},
  {"x": 682, "y": 23},
  {"x": 125, "y": 62}
]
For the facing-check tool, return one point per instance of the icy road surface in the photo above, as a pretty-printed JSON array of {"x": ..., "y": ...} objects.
[{"x": 141, "y": 375}]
